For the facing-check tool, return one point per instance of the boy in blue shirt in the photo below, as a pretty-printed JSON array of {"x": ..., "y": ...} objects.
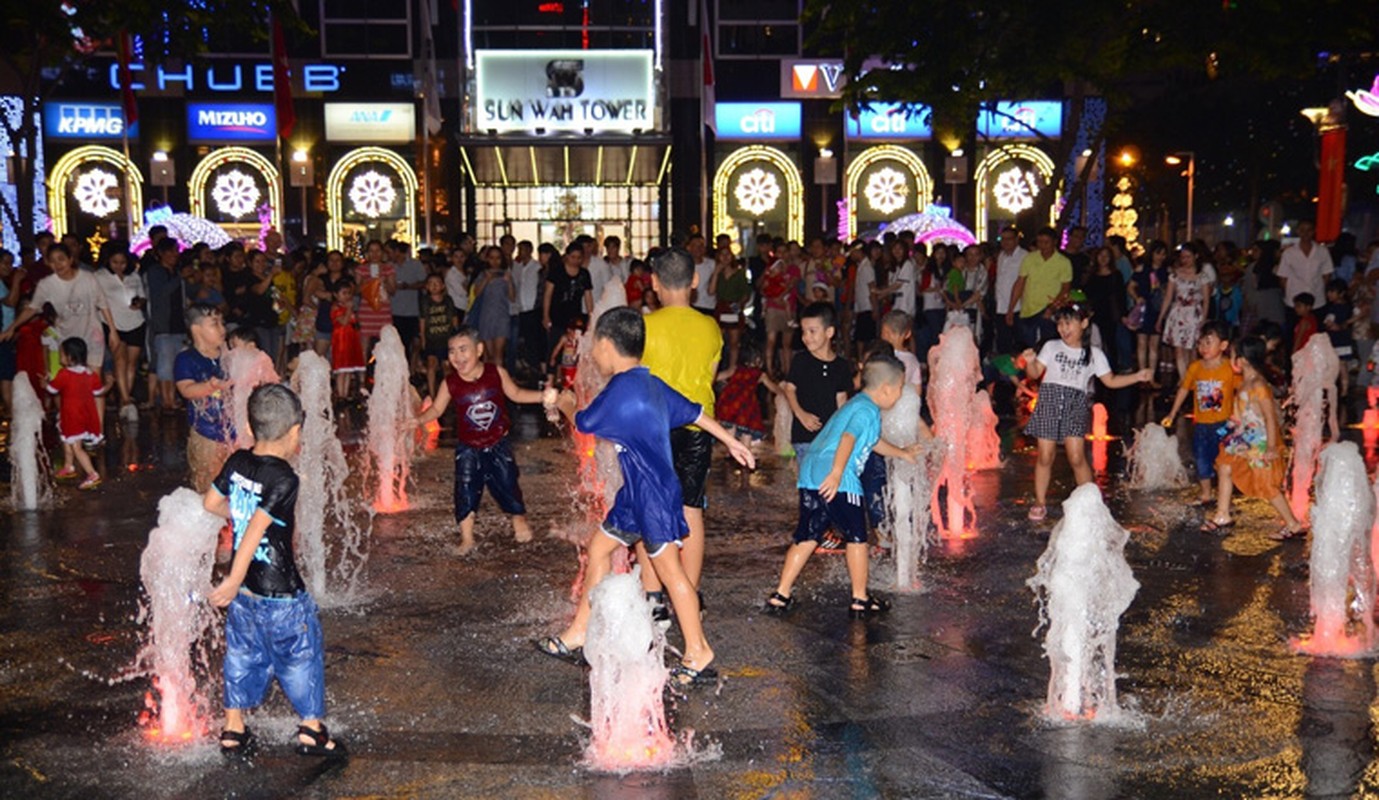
[
  {"x": 636, "y": 411},
  {"x": 831, "y": 488}
]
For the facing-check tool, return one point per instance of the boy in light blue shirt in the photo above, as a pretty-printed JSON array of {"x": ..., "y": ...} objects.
[{"x": 830, "y": 485}]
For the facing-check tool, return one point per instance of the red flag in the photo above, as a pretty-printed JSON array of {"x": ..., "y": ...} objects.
[
  {"x": 708, "y": 97},
  {"x": 131, "y": 106},
  {"x": 282, "y": 83},
  {"x": 1331, "y": 192}
]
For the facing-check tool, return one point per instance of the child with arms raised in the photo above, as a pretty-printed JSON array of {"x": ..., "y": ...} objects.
[{"x": 1212, "y": 382}]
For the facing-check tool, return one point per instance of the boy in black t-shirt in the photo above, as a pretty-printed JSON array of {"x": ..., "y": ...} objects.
[
  {"x": 819, "y": 381},
  {"x": 1335, "y": 318},
  {"x": 271, "y": 630}
]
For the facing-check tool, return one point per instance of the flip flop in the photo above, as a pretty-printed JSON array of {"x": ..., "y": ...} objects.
[
  {"x": 1037, "y": 513},
  {"x": 1212, "y": 526},
  {"x": 1285, "y": 533},
  {"x": 555, "y": 647},
  {"x": 686, "y": 677}
]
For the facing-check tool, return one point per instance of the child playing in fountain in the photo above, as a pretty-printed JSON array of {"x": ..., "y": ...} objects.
[
  {"x": 738, "y": 408},
  {"x": 819, "y": 380},
  {"x": 636, "y": 411},
  {"x": 271, "y": 630},
  {"x": 483, "y": 457},
  {"x": 565, "y": 357},
  {"x": 830, "y": 486},
  {"x": 896, "y": 330},
  {"x": 1307, "y": 324},
  {"x": 1212, "y": 383},
  {"x": 346, "y": 348},
  {"x": 1251, "y": 457},
  {"x": 79, "y": 423},
  {"x": 439, "y": 320},
  {"x": 1067, "y": 365},
  {"x": 201, "y": 381}
]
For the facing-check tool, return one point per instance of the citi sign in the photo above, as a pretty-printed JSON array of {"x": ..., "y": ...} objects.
[
  {"x": 85, "y": 121},
  {"x": 757, "y": 120},
  {"x": 232, "y": 122}
]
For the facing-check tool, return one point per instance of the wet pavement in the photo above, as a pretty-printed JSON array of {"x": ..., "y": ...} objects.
[{"x": 436, "y": 688}]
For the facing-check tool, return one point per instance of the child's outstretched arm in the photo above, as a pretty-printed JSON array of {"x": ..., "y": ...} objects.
[
  {"x": 739, "y": 451},
  {"x": 828, "y": 488},
  {"x": 771, "y": 385},
  {"x": 1111, "y": 381},
  {"x": 516, "y": 393},
  {"x": 724, "y": 375},
  {"x": 437, "y": 408},
  {"x": 1178, "y": 399},
  {"x": 1033, "y": 366},
  {"x": 888, "y": 450},
  {"x": 222, "y": 595}
]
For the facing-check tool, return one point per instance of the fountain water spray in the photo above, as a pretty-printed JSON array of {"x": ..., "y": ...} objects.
[
  {"x": 176, "y": 572},
  {"x": 908, "y": 489},
  {"x": 30, "y": 473},
  {"x": 1154, "y": 462},
  {"x": 1341, "y": 578},
  {"x": 1083, "y": 584},
  {"x": 1315, "y": 370},
  {"x": 983, "y": 441},
  {"x": 247, "y": 368},
  {"x": 390, "y": 411},
  {"x": 957, "y": 371}
]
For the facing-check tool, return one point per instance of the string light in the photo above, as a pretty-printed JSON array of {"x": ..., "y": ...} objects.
[
  {"x": 783, "y": 167},
  {"x": 405, "y": 194},
  {"x": 757, "y": 191},
  {"x": 886, "y": 190},
  {"x": 1043, "y": 166},
  {"x": 859, "y": 167},
  {"x": 69, "y": 165},
  {"x": 201, "y": 188}
]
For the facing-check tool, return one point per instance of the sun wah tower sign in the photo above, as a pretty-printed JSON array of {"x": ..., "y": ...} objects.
[{"x": 572, "y": 91}]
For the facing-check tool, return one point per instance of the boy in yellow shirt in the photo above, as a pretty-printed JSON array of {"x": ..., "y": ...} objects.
[{"x": 1212, "y": 383}]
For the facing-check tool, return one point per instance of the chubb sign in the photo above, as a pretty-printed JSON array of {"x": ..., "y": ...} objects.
[
  {"x": 85, "y": 121},
  {"x": 231, "y": 122},
  {"x": 564, "y": 90}
]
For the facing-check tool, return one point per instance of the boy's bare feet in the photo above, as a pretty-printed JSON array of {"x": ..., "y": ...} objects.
[
  {"x": 465, "y": 547},
  {"x": 521, "y": 531}
]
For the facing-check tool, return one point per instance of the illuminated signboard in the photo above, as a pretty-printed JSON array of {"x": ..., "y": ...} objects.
[
  {"x": 85, "y": 121},
  {"x": 1028, "y": 119},
  {"x": 1366, "y": 101},
  {"x": 564, "y": 90},
  {"x": 811, "y": 77},
  {"x": 888, "y": 121},
  {"x": 757, "y": 120},
  {"x": 231, "y": 122},
  {"x": 225, "y": 77},
  {"x": 371, "y": 122}
]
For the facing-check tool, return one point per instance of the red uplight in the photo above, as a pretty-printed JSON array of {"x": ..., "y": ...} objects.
[{"x": 551, "y": 8}]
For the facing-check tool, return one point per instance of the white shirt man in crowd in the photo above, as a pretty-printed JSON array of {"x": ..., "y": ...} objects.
[
  {"x": 1008, "y": 262},
  {"x": 526, "y": 271},
  {"x": 1304, "y": 267},
  {"x": 612, "y": 266},
  {"x": 703, "y": 267}
]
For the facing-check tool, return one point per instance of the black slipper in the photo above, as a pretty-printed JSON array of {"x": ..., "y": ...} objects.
[
  {"x": 321, "y": 743},
  {"x": 869, "y": 606},
  {"x": 245, "y": 742},
  {"x": 555, "y": 647},
  {"x": 686, "y": 677},
  {"x": 778, "y": 604}
]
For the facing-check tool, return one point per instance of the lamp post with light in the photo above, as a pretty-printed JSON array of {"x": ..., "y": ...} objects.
[{"x": 1191, "y": 174}]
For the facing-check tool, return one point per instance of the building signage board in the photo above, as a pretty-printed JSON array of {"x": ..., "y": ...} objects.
[
  {"x": 371, "y": 122},
  {"x": 225, "y": 77},
  {"x": 888, "y": 121},
  {"x": 1028, "y": 119},
  {"x": 231, "y": 122},
  {"x": 811, "y": 77},
  {"x": 757, "y": 120},
  {"x": 564, "y": 90},
  {"x": 71, "y": 120}
]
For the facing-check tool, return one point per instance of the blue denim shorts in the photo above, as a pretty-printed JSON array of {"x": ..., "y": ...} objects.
[
  {"x": 843, "y": 514},
  {"x": 493, "y": 467},
  {"x": 1206, "y": 446},
  {"x": 267, "y": 638}
]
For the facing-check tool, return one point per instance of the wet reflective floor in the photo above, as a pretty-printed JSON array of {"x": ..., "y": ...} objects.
[{"x": 435, "y": 686}]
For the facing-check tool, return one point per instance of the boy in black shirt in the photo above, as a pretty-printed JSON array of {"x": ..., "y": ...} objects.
[
  {"x": 819, "y": 381},
  {"x": 1335, "y": 318},
  {"x": 272, "y": 630}
]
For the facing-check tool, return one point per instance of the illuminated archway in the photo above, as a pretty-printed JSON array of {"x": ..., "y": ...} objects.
[
  {"x": 216, "y": 159},
  {"x": 66, "y": 169},
  {"x": 336, "y": 194},
  {"x": 988, "y": 168},
  {"x": 794, "y": 189},
  {"x": 924, "y": 183}
]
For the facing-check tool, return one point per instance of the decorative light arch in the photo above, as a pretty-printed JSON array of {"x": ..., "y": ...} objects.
[
  {"x": 335, "y": 192},
  {"x": 228, "y": 155},
  {"x": 924, "y": 183},
  {"x": 68, "y": 165},
  {"x": 794, "y": 200},
  {"x": 996, "y": 158}
]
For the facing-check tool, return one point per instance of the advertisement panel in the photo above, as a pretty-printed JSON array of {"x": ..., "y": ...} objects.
[
  {"x": 88, "y": 121},
  {"x": 231, "y": 122},
  {"x": 889, "y": 121},
  {"x": 1027, "y": 119},
  {"x": 758, "y": 121},
  {"x": 564, "y": 90},
  {"x": 812, "y": 77},
  {"x": 371, "y": 122}
]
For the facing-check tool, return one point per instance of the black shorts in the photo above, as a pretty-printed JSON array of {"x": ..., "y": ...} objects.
[
  {"x": 692, "y": 451},
  {"x": 134, "y": 338},
  {"x": 864, "y": 327},
  {"x": 843, "y": 514},
  {"x": 493, "y": 468},
  {"x": 408, "y": 329},
  {"x": 439, "y": 349}
]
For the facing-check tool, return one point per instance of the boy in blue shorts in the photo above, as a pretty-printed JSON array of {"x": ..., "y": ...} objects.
[
  {"x": 636, "y": 411},
  {"x": 271, "y": 630},
  {"x": 831, "y": 488}
]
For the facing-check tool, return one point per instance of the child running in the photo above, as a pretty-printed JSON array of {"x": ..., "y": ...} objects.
[
  {"x": 739, "y": 409},
  {"x": 830, "y": 486},
  {"x": 1212, "y": 382},
  {"x": 79, "y": 423},
  {"x": 1251, "y": 457},
  {"x": 483, "y": 457},
  {"x": 1067, "y": 365},
  {"x": 272, "y": 629},
  {"x": 636, "y": 412}
]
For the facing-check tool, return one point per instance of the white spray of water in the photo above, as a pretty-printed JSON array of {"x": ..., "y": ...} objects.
[
  {"x": 247, "y": 368},
  {"x": 983, "y": 442},
  {"x": 390, "y": 410},
  {"x": 1315, "y": 370},
  {"x": 1340, "y": 564},
  {"x": 957, "y": 371},
  {"x": 176, "y": 572},
  {"x": 1083, "y": 584},
  {"x": 908, "y": 487},
  {"x": 30, "y": 473},
  {"x": 1154, "y": 462},
  {"x": 322, "y": 502},
  {"x": 627, "y": 678},
  {"x": 780, "y": 429}
]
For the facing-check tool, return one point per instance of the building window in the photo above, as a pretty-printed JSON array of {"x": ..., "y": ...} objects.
[
  {"x": 366, "y": 28},
  {"x": 749, "y": 29}
]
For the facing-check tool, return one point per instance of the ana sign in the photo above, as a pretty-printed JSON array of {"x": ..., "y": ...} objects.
[
  {"x": 231, "y": 122},
  {"x": 889, "y": 121},
  {"x": 371, "y": 122},
  {"x": 85, "y": 121},
  {"x": 757, "y": 120},
  {"x": 564, "y": 90},
  {"x": 1029, "y": 119},
  {"x": 225, "y": 77},
  {"x": 811, "y": 77}
]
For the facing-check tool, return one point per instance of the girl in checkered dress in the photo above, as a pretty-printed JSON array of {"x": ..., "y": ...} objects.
[{"x": 1067, "y": 365}]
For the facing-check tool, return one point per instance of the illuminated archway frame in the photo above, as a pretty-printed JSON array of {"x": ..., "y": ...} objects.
[
  {"x": 794, "y": 186},
  {"x": 68, "y": 165},
  {"x": 996, "y": 158},
  {"x": 335, "y": 191},
  {"x": 216, "y": 159},
  {"x": 924, "y": 182}
]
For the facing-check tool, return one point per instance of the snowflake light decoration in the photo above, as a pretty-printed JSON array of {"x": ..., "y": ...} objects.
[
  {"x": 757, "y": 191},
  {"x": 886, "y": 190},
  {"x": 372, "y": 194},
  {"x": 1015, "y": 190},
  {"x": 93, "y": 193},
  {"x": 235, "y": 194}
]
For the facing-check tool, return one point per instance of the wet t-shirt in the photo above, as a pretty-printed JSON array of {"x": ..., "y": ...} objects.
[
  {"x": 481, "y": 409},
  {"x": 206, "y": 415},
  {"x": 817, "y": 385},
  {"x": 252, "y": 482},
  {"x": 861, "y": 418}
]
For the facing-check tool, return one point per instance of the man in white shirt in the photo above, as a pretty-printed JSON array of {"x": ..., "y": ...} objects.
[
  {"x": 457, "y": 281},
  {"x": 1008, "y": 262},
  {"x": 613, "y": 266},
  {"x": 1303, "y": 267},
  {"x": 703, "y": 267},
  {"x": 863, "y": 285},
  {"x": 526, "y": 271}
]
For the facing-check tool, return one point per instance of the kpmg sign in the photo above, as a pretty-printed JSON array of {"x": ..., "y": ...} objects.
[
  {"x": 1029, "y": 119},
  {"x": 231, "y": 122},
  {"x": 888, "y": 121},
  {"x": 564, "y": 90},
  {"x": 757, "y": 120},
  {"x": 371, "y": 122},
  {"x": 68, "y": 120}
]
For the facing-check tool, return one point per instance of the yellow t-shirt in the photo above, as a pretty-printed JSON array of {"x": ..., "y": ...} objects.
[
  {"x": 1213, "y": 391},
  {"x": 682, "y": 349},
  {"x": 1043, "y": 280}
]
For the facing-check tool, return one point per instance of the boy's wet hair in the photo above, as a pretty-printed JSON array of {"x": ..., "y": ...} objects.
[
  {"x": 244, "y": 334},
  {"x": 625, "y": 328},
  {"x": 674, "y": 268},
  {"x": 882, "y": 370},
  {"x": 466, "y": 332},
  {"x": 1305, "y": 298},
  {"x": 74, "y": 347},
  {"x": 273, "y": 410},
  {"x": 197, "y": 312},
  {"x": 823, "y": 312},
  {"x": 898, "y": 321},
  {"x": 1216, "y": 328}
]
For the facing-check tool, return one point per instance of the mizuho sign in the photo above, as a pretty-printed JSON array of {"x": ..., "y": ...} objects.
[{"x": 564, "y": 90}]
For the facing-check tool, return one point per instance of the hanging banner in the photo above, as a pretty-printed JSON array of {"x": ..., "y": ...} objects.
[{"x": 1331, "y": 188}]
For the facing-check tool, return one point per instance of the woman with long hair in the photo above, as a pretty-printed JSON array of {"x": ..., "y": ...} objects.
[{"x": 118, "y": 275}]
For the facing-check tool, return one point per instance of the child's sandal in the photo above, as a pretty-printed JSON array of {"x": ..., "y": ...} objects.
[
  {"x": 321, "y": 743},
  {"x": 778, "y": 604},
  {"x": 862, "y": 607},
  {"x": 244, "y": 743}
]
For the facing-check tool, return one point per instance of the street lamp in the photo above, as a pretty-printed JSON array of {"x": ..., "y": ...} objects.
[{"x": 1191, "y": 174}]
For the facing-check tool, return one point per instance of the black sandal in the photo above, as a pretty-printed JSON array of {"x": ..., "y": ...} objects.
[
  {"x": 555, "y": 647},
  {"x": 869, "y": 606},
  {"x": 778, "y": 604},
  {"x": 321, "y": 743},
  {"x": 686, "y": 677},
  {"x": 244, "y": 743}
]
